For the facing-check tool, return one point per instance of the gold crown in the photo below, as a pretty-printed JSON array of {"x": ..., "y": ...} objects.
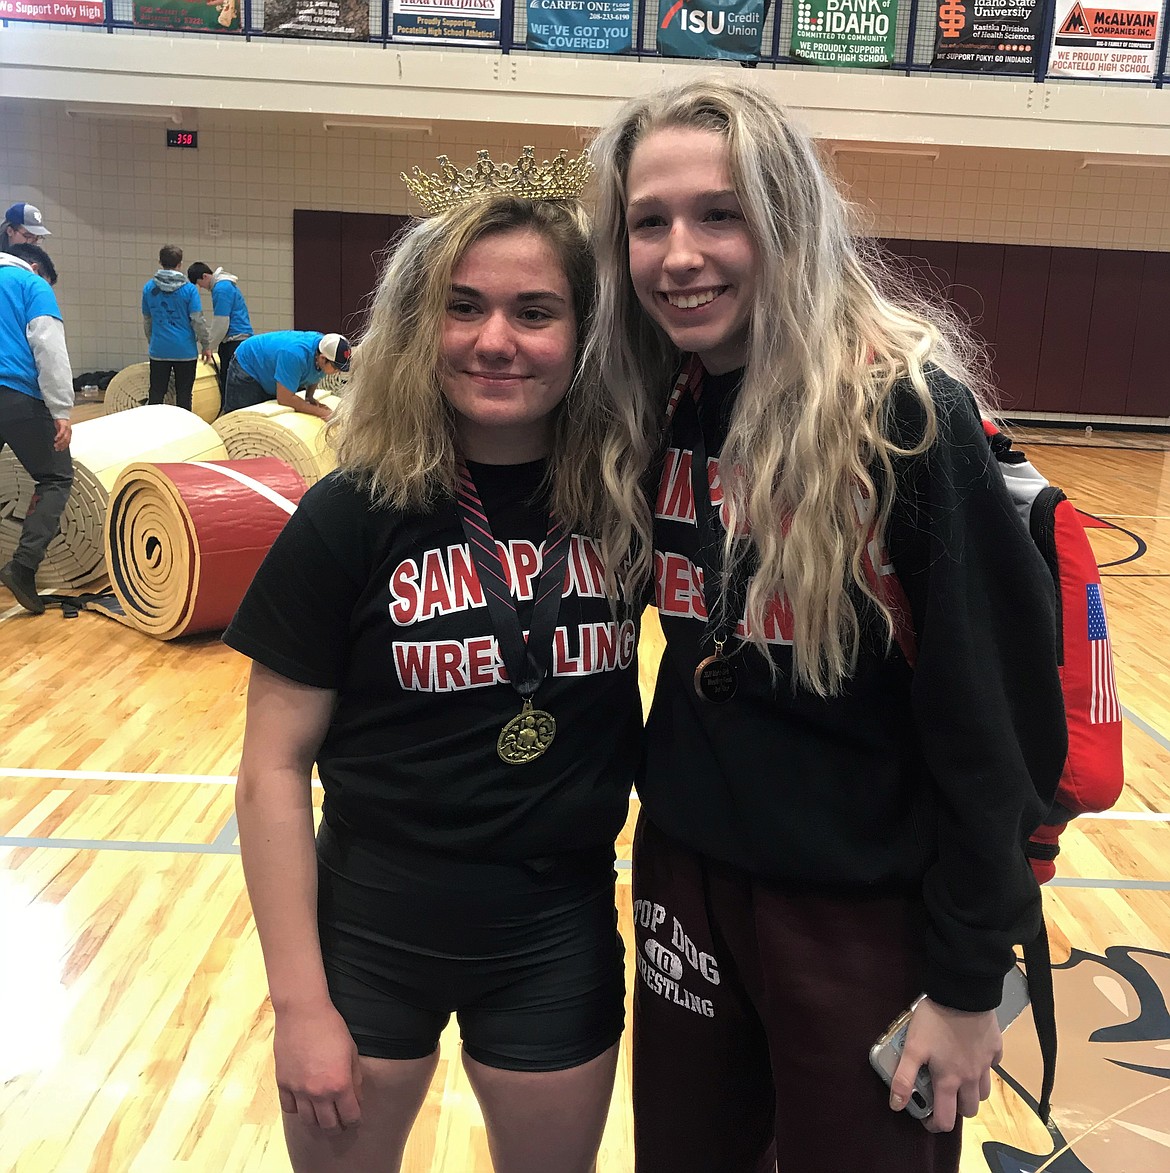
[{"x": 561, "y": 179}]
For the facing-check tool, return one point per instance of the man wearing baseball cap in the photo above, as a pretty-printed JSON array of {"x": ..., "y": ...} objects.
[
  {"x": 277, "y": 365},
  {"x": 23, "y": 224}
]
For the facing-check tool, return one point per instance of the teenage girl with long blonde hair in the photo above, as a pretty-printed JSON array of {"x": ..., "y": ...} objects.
[{"x": 826, "y": 832}]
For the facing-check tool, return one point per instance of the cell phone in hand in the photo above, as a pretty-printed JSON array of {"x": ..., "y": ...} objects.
[{"x": 886, "y": 1053}]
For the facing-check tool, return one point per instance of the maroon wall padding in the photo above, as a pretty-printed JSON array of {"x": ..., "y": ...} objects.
[
  {"x": 1066, "y": 329},
  {"x": 336, "y": 258},
  {"x": 978, "y": 281},
  {"x": 316, "y": 271},
  {"x": 1147, "y": 391},
  {"x": 1023, "y": 297},
  {"x": 1109, "y": 342}
]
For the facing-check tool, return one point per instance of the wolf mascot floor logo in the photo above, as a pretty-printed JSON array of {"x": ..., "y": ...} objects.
[
  {"x": 727, "y": 29},
  {"x": 1111, "y": 1110}
]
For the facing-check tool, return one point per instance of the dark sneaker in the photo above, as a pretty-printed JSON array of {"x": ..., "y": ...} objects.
[{"x": 22, "y": 582}]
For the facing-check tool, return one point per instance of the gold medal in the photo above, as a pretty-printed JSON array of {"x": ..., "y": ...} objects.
[
  {"x": 526, "y": 736},
  {"x": 715, "y": 679}
]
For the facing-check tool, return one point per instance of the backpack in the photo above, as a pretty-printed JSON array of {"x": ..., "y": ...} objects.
[{"x": 1093, "y": 773}]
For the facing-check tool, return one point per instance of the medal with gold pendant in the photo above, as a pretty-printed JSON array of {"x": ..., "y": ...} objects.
[
  {"x": 526, "y": 736},
  {"x": 715, "y": 677}
]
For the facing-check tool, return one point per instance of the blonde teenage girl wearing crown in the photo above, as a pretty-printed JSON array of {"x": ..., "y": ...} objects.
[
  {"x": 466, "y": 683},
  {"x": 825, "y": 833}
]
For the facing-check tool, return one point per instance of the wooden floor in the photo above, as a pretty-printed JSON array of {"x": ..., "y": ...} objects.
[{"x": 135, "y": 1032}]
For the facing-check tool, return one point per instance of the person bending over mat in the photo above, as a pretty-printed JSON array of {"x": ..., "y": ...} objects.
[
  {"x": 278, "y": 365},
  {"x": 825, "y": 832},
  {"x": 230, "y": 323},
  {"x": 466, "y": 681}
]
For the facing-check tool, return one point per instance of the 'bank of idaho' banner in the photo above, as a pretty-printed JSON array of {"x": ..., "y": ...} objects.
[
  {"x": 845, "y": 32},
  {"x": 1111, "y": 42},
  {"x": 989, "y": 36},
  {"x": 729, "y": 29},
  {"x": 581, "y": 26},
  {"x": 56, "y": 11},
  {"x": 187, "y": 14},
  {"x": 346, "y": 20},
  {"x": 462, "y": 22}
]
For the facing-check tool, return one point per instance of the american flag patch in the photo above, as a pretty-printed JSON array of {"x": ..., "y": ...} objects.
[{"x": 1105, "y": 707}]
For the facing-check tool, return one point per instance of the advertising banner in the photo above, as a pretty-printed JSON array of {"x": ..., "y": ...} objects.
[
  {"x": 188, "y": 15},
  {"x": 727, "y": 29},
  {"x": 581, "y": 26},
  {"x": 1118, "y": 43},
  {"x": 460, "y": 22},
  {"x": 54, "y": 11},
  {"x": 343, "y": 20},
  {"x": 845, "y": 32},
  {"x": 988, "y": 36}
]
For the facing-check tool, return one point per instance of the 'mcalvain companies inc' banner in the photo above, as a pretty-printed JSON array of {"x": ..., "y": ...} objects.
[
  {"x": 988, "y": 36},
  {"x": 1113, "y": 42},
  {"x": 460, "y": 22},
  {"x": 728, "y": 29},
  {"x": 581, "y": 26},
  {"x": 845, "y": 32}
]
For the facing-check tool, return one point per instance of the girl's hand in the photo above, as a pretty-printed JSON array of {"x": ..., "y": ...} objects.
[
  {"x": 959, "y": 1047},
  {"x": 317, "y": 1071}
]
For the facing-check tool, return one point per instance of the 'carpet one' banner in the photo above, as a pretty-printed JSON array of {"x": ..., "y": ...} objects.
[
  {"x": 224, "y": 15},
  {"x": 729, "y": 29},
  {"x": 581, "y": 26},
  {"x": 54, "y": 11},
  {"x": 462, "y": 22},
  {"x": 988, "y": 36},
  {"x": 1105, "y": 42},
  {"x": 347, "y": 20},
  {"x": 845, "y": 32}
]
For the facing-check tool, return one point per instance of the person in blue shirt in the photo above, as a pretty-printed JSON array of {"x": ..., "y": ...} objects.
[
  {"x": 277, "y": 365},
  {"x": 230, "y": 323},
  {"x": 23, "y": 224},
  {"x": 36, "y": 398},
  {"x": 172, "y": 318}
]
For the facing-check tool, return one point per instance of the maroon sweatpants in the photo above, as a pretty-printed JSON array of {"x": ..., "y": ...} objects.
[{"x": 754, "y": 1012}]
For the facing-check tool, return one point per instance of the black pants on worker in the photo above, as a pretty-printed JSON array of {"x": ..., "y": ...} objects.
[
  {"x": 226, "y": 349},
  {"x": 160, "y": 378},
  {"x": 28, "y": 429}
]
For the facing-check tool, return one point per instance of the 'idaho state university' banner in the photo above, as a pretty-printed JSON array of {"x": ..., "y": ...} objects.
[
  {"x": 729, "y": 29},
  {"x": 180, "y": 15},
  {"x": 1111, "y": 42},
  {"x": 845, "y": 32},
  {"x": 989, "y": 36},
  {"x": 581, "y": 26}
]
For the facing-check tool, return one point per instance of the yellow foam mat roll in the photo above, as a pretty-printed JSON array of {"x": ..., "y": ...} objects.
[
  {"x": 130, "y": 388},
  {"x": 267, "y": 429},
  {"x": 101, "y": 448}
]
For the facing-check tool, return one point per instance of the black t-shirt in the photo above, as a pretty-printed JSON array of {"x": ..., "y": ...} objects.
[
  {"x": 387, "y": 610},
  {"x": 920, "y": 781}
]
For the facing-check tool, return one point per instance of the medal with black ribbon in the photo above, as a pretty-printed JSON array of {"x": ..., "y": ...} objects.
[
  {"x": 528, "y": 660},
  {"x": 715, "y": 677}
]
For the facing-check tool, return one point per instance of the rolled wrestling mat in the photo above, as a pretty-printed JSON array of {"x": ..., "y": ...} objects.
[
  {"x": 184, "y": 541},
  {"x": 267, "y": 429},
  {"x": 130, "y": 387},
  {"x": 101, "y": 448}
]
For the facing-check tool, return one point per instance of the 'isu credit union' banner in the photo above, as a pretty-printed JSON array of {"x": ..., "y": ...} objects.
[
  {"x": 728, "y": 29},
  {"x": 55, "y": 11},
  {"x": 221, "y": 16},
  {"x": 461, "y": 22},
  {"x": 581, "y": 26},
  {"x": 1108, "y": 42},
  {"x": 989, "y": 36},
  {"x": 845, "y": 32}
]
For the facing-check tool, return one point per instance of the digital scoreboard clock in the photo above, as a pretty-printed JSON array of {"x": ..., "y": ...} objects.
[{"x": 183, "y": 138}]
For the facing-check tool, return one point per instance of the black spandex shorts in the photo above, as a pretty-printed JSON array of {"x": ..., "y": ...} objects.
[{"x": 527, "y": 956}]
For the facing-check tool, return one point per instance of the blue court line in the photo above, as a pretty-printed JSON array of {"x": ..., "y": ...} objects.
[
  {"x": 215, "y": 848},
  {"x": 227, "y": 837}
]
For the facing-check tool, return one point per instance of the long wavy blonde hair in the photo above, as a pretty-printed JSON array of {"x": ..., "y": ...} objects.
[
  {"x": 826, "y": 348},
  {"x": 394, "y": 431}
]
